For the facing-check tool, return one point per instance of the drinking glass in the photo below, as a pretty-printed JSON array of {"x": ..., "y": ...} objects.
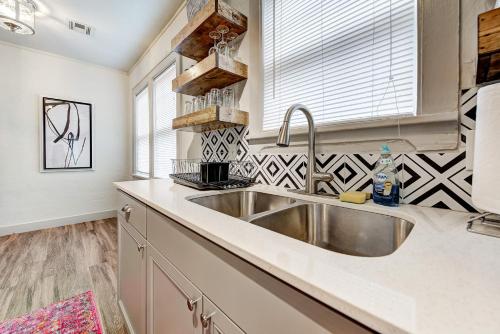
[
  {"x": 228, "y": 98},
  {"x": 223, "y": 49},
  {"x": 194, "y": 105},
  {"x": 208, "y": 100},
  {"x": 188, "y": 107},
  {"x": 215, "y": 36},
  {"x": 215, "y": 97},
  {"x": 200, "y": 102}
]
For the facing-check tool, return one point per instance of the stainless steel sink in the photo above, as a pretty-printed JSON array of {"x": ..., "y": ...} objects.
[
  {"x": 241, "y": 204},
  {"x": 342, "y": 230},
  {"x": 338, "y": 229}
]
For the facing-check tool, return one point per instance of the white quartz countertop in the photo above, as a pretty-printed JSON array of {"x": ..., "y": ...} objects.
[{"x": 443, "y": 279}]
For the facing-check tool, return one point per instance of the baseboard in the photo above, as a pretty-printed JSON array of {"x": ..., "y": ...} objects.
[
  {"x": 43, "y": 224},
  {"x": 128, "y": 323}
]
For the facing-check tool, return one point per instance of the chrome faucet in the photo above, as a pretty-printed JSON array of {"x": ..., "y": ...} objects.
[{"x": 312, "y": 176}]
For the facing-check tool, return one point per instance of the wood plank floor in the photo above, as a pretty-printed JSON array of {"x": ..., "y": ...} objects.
[{"x": 42, "y": 267}]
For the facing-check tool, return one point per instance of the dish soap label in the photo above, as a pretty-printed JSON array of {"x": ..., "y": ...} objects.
[{"x": 385, "y": 180}]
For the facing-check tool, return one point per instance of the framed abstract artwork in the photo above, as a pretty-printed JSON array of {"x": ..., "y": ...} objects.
[{"x": 66, "y": 135}]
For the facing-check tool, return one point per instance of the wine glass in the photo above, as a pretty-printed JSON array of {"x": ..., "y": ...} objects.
[
  {"x": 222, "y": 45},
  {"x": 215, "y": 36},
  {"x": 231, "y": 36}
]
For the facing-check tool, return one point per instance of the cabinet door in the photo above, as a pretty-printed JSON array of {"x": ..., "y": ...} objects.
[
  {"x": 214, "y": 321},
  {"x": 132, "y": 277},
  {"x": 174, "y": 303}
]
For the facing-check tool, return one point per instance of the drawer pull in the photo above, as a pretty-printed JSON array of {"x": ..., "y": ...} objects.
[
  {"x": 140, "y": 247},
  {"x": 191, "y": 303},
  {"x": 205, "y": 319},
  {"x": 127, "y": 210}
]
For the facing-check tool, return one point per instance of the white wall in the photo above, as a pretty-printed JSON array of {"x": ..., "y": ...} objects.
[{"x": 30, "y": 199}]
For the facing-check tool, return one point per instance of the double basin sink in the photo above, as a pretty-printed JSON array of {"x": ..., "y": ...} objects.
[{"x": 338, "y": 229}]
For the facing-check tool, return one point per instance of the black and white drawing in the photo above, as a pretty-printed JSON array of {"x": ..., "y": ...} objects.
[{"x": 66, "y": 135}]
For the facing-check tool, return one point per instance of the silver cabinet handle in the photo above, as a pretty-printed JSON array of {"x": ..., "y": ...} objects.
[
  {"x": 191, "y": 303},
  {"x": 127, "y": 210},
  {"x": 140, "y": 247},
  {"x": 205, "y": 319}
]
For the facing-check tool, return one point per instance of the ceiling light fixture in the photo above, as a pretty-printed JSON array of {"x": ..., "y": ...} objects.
[{"x": 18, "y": 16}]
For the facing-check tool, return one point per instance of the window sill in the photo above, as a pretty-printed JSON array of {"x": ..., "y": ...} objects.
[
  {"x": 140, "y": 176},
  {"x": 434, "y": 132}
]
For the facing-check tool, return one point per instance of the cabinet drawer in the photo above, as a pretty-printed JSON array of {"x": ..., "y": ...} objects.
[
  {"x": 133, "y": 212},
  {"x": 251, "y": 298}
]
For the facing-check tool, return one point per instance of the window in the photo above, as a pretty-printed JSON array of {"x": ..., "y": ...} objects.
[
  {"x": 141, "y": 104},
  {"x": 155, "y": 143},
  {"x": 347, "y": 60},
  {"x": 165, "y": 110}
]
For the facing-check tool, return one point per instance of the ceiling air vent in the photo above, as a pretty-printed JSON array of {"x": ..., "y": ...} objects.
[{"x": 80, "y": 27}]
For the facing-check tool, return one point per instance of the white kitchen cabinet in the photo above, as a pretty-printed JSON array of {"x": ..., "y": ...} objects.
[
  {"x": 132, "y": 277},
  {"x": 181, "y": 282},
  {"x": 246, "y": 295},
  {"x": 174, "y": 304}
]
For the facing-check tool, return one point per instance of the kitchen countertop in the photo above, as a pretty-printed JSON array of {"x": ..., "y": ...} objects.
[{"x": 443, "y": 279}]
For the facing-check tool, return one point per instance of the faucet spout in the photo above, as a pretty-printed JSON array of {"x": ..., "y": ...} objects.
[{"x": 312, "y": 176}]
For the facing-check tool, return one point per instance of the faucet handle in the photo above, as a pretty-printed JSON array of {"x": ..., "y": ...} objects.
[{"x": 325, "y": 177}]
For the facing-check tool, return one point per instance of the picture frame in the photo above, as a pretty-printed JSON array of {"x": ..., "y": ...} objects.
[{"x": 66, "y": 135}]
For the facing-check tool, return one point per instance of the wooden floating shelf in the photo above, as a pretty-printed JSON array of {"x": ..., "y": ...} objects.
[
  {"x": 209, "y": 119},
  {"x": 215, "y": 71},
  {"x": 193, "y": 40},
  {"x": 488, "y": 65}
]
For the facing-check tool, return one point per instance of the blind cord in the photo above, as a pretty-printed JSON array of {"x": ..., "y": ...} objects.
[
  {"x": 322, "y": 65},
  {"x": 390, "y": 83},
  {"x": 372, "y": 52},
  {"x": 274, "y": 49}
]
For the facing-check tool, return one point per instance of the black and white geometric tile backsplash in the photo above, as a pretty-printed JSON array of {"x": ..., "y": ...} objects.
[{"x": 432, "y": 179}]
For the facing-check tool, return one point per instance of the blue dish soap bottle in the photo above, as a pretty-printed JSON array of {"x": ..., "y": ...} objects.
[{"x": 385, "y": 179}]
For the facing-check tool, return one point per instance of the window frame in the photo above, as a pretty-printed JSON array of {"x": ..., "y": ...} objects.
[
  {"x": 147, "y": 83},
  {"x": 370, "y": 120},
  {"x": 136, "y": 93},
  {"x": 443, "y": 119}
]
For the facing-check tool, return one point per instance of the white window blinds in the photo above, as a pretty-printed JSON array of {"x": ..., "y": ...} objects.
[
  {"x": 346, "y": 60},
  {"x": 141, "y": 105},
  {"x": 164, "y": 109}
]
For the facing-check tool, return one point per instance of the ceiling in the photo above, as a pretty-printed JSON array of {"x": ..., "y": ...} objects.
[{"x": 123, "y": 29}]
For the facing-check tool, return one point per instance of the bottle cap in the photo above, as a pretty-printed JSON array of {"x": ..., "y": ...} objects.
[{"x": 385, "y": 149}]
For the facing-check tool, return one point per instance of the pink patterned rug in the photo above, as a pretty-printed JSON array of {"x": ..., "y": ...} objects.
[{"x": 76, "y": 315}]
